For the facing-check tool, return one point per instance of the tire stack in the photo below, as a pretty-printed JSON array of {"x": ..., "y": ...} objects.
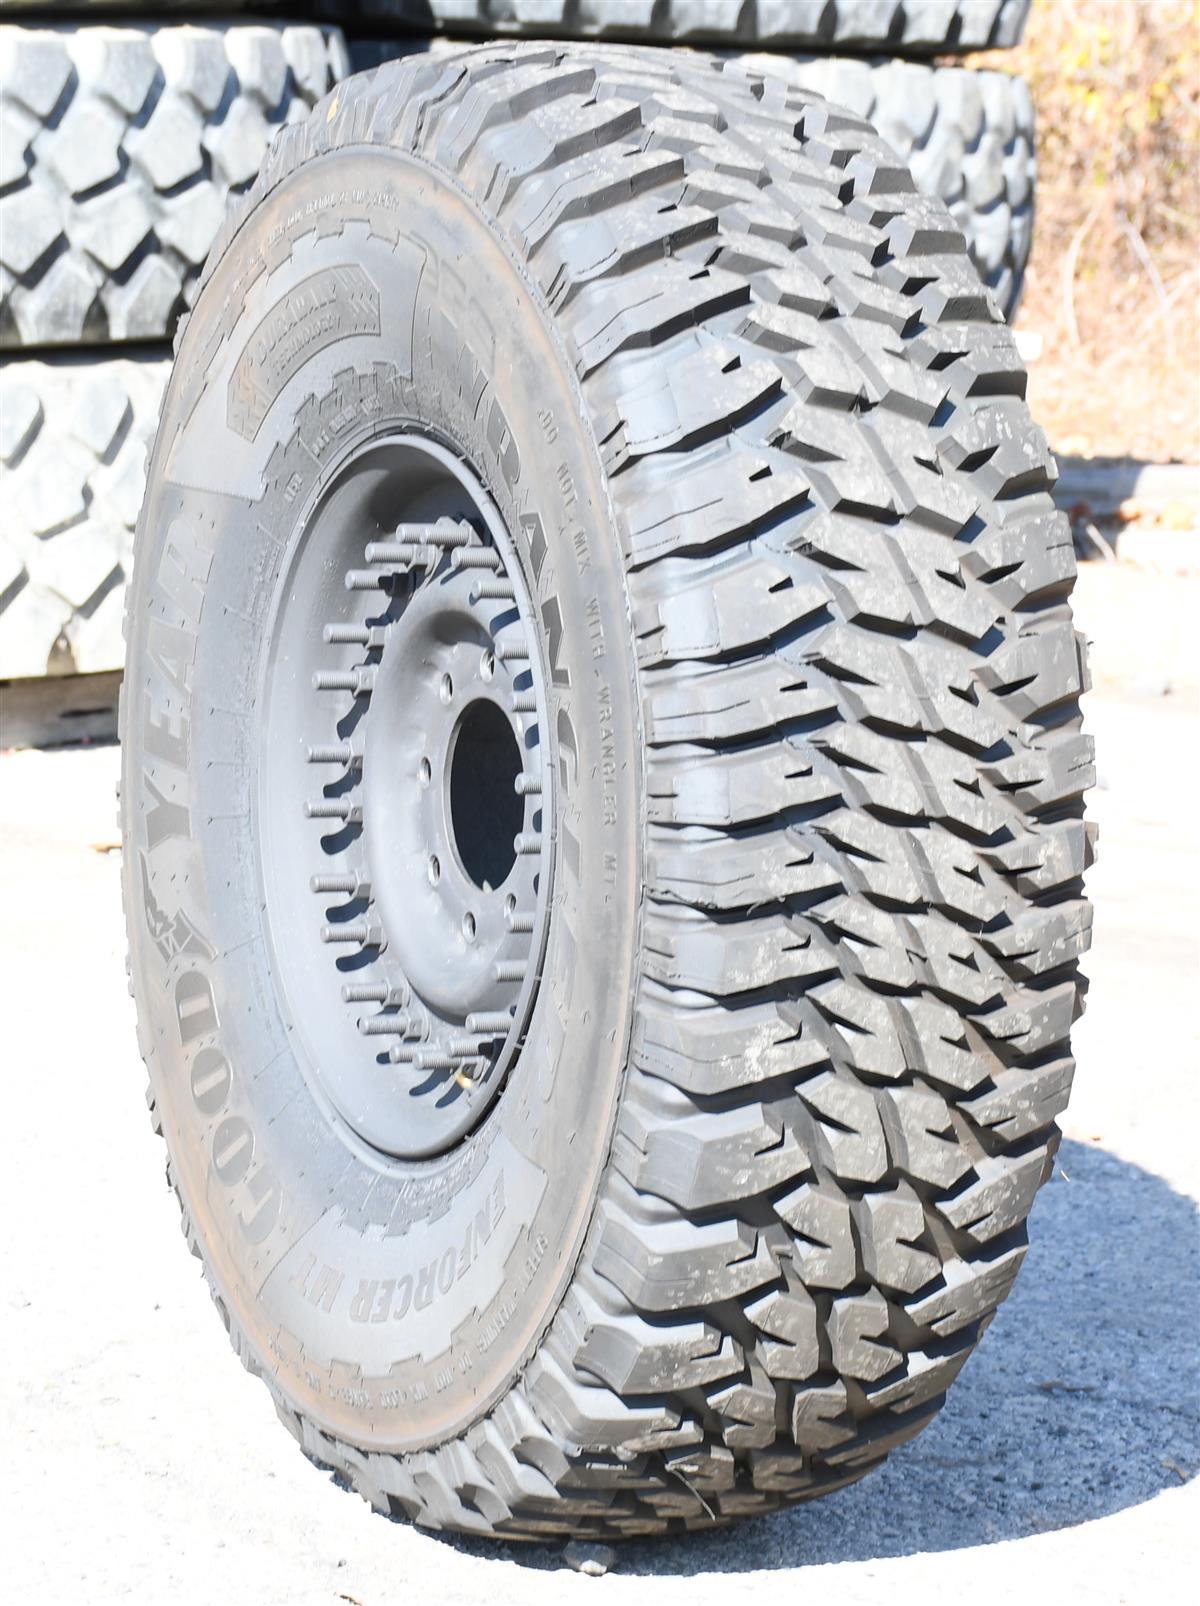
[
  {"x": 966, "y": 134},
  {"x": 122, "y": 140}
]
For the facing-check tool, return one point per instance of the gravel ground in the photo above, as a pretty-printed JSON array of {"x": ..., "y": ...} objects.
[{"x": 142, "y": 1463}]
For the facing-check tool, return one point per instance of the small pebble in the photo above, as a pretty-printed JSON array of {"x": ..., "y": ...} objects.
[{"x": 591, "y": 1560}]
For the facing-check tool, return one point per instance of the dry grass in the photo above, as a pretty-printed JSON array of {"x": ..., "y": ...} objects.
[{"x": 1114, "y": 283}]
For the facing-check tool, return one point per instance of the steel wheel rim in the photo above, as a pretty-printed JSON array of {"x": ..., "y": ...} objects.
[{"x": 401, "y": 650}]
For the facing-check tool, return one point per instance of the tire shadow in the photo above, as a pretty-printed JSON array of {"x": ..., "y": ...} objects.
[{"x": 1083, "y": 1398}]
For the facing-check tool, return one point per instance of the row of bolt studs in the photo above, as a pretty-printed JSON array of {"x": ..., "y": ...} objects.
[{"x": 415, "y": 547}]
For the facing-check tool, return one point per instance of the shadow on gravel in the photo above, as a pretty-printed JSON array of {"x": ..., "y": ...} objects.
[{"x": 1082, "y": 1399}]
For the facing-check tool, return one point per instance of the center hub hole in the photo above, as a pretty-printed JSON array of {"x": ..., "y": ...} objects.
[{"x": 485, "y": 811}]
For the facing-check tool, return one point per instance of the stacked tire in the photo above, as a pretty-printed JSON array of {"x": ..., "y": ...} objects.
[
  {"x": 122, "y": 141},
  {"x": 121, "y": 147}
]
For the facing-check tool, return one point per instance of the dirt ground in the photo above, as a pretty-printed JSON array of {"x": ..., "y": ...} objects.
[{"x": 142, "y": 1463}]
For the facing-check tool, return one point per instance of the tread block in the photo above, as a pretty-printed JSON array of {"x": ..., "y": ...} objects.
[
  {"x": 697, "y": 510},
  {"x": 823, "y": 1252},
  {"x": 971, "y": 1291},
  {"x": 629, "y": 1355},
  {"x": 856, "y": 1325},
  {"x": 717, "y": 959},
  {"x": 1023, "y": 1101},
  {"x": 845, "y": 1131},
  {"x": 733, "y": 789},
  {"x": 792, "y": 1350},
  {"x": 926, "y": 1378},
  {"x": 660, "y": 1266},
  {"x": 819, "y": 1417},
  {"x": 713, "y": 1049},
  {"x": 922, "y": 1137},
  {"x": 890, "y": 1224},
  {"x": 1001, "y": 1196},
  {"x": 721, "y": 873},
  {"x": 726, "y": 606},
  {"x": 717, "y": 704},
  {"x": 702, "y": 1160}
]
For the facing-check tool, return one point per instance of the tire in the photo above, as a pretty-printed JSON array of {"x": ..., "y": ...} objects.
[
  {"x": 91, "y": 8},
  {"x": 910, "y": 27},
  {"x": 901, "y": 27},
  {"x": 798, "y": 680},
  {"x": 122, "y": 146},
  {"x": 967, "y": 136},
  {"x": 74, "y": 432}
]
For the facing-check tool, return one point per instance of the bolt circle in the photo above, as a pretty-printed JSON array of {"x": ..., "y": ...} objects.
[{"x": 422, "y": 699}]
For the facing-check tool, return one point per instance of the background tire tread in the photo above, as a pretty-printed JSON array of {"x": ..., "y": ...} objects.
[
  {"x": 122, "y": 146},
  {"x": 911, "y": 27},
  {"x": 75, "y": 432}
]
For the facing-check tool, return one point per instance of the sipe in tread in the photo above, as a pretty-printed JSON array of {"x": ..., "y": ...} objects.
[{"x": 864, "y": 779}]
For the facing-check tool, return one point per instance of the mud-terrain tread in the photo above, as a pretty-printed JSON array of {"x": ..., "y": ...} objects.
[
  {"x": 905, "y": 27},
  {"x": 122, "y": 146},
  {"x": 740, "y": 1334},
  {"x": 966, "y": 135},
  {"x": 75, "y": 431}
]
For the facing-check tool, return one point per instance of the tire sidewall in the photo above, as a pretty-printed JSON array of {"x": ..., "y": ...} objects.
[{"x": 392, "y": 1302}]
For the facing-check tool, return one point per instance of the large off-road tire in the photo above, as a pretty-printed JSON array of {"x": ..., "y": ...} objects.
[
  {"x": 74, "y": 431},
  {"x": 601, "y": 477},
  {"x": 119, "y": 150}
]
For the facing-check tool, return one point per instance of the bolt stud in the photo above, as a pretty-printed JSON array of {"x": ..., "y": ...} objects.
[
  {"x": 334, "y": 808},
  {"x": 489, "y": 1022}
]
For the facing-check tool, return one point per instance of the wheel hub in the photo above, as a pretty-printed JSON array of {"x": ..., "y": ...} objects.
[{"x": 420, "y": 712}]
